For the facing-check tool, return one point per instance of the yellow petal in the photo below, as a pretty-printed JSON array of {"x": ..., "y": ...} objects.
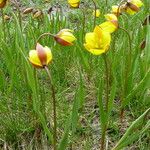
[
  {"x": 115, "y": 9},
  {"x": 108, "y": 27},
  {"x": 48, "y": 54},
  {"x": 105, "y": 41},
  {"x": 130, "y": 11},
  {"x": 34, "y": 59},
  {"x": 67, "y": 36},
  {"x": 94, "y": 51},
  {"x": 138, "y": 3},
  {"x": 110, "y": 17}
]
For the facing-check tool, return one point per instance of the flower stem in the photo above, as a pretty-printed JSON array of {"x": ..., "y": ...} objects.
[
  {"x": 106, "y": 104},
  {"x": 95, "y": 13},
  {"x": 43, "y": 35},
  {"x": 127, "y": 71},
  {"x": 54, "y": 107},
  {"x": 3, "y": 24}
]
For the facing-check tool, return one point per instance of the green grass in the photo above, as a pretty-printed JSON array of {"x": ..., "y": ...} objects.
[{"x": 79, "y": 79}]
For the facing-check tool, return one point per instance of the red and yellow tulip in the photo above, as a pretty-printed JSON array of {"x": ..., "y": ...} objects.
[
  {"x": 65, "y": 37},
  {"x": 98, "y": 41},
  {"x": 40, "y": 57},
  {"x": 133, "y": 6}
]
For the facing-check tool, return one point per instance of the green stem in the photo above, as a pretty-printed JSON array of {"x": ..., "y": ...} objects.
[
  {"x": 43, "y": 35},
  {"x": 3, "y": 24},
  {"x": 106, "y": 104},
  {"x": 127, "y": 71},
  {"x": 95, "y": 13},
  {"x": 54, "y": 107}
]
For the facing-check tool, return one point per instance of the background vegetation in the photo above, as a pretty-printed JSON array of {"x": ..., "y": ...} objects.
[{"x": 78, "y": 76}]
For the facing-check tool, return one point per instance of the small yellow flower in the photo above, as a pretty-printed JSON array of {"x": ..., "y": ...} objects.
[
  {"x": 111, "y": 24},
  {"x": 116, "y": 10},
  {"x": 74, "y": 3},
  {"x": 97, "y": 13},
  {"x": 133, "y": 6},
  {"x": 65, "y": 37},
  {"x": 98, "y": 41},
  {"x": 40, "y": 57},
  {"x": 3, "y": 3}
]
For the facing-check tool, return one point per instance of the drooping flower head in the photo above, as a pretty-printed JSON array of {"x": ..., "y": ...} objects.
[
  {"x": 98, "y": 41},
  {"x": 40, "y": 57},
  {"x": 111, "y": 24},
  {"x": 3, "y": 3},
  {"x": 65, "y": 37},
  {"x": 74, "y": 3},
  {"x": 133, "y": 6},
  {"x": 97, "y": 13}
]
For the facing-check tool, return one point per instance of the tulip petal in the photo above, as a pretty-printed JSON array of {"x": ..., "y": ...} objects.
[
  {"x": 48, "y": 54},
  {"x": 108, "y": 27},
  {"x": 34, "y": 59}
]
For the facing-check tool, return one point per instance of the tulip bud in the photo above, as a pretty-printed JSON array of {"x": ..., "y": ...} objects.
[
  {"x": 65, "y": 37},
  {"x": 40, "y": 57},
  {"x": 28, "y": 10},
  {"x": 74, "y": 3},
  {"x": 37, "y": 14},
  {"x": 2, "y": 3},
  {"x": 6, "y": 17}
]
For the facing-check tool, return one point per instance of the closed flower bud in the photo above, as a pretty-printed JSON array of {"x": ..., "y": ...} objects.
[
  {"x": 6, "y": 17},
  {"x": 116, "y": 10},
  {"x": 133, "y": 6},
  {"x": 40, "y": 57},
  {"x": 28, "y": 10},
  {"x": 74, "y": 3},
  {"x": 3, "y": 3},
  {"x": 65, "y": 37},
  {"x": 37, "y": 14}
]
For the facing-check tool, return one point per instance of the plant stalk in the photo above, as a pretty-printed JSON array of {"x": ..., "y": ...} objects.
[
  {"x": 54, "y": 108},
  {"x": 106, "y": 104},
  {"x": 126, "y": 72},
  {"x": 3, "y": 24},
  {"x": 94, "y": 14},
  {"x": 43, "y": 35}
]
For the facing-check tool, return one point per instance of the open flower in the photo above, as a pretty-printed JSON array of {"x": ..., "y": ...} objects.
[
  {"x": 133, "y": 6},
  {"x": 98, "y": 41},
  {"x": 2, "y": 3},
  {"x": 40, "y": 57},
  {"x": 74, "y": 3},
  {"x": 111, "y": 24},
  {"x": 65, "y": 37},
  {"x": 97, "y": 13}
]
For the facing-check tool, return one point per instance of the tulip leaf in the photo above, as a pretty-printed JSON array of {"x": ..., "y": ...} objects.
[{"x": 138, "y": 127}]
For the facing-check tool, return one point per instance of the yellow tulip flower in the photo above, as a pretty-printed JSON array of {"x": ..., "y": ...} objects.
[
  {"x": 2, "y": 3},
  {"x": 97, "y": 13},
  {"x": 116, "y": 10},
  {"x": 111, "y": 24},
  {"x": 98, "y": 41},
  {"x": 40, "y": 57},
  {"x": 65, "y": 37},
  {"x": 74, "y": 3},
  {"x": 133, "y": 6}
]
